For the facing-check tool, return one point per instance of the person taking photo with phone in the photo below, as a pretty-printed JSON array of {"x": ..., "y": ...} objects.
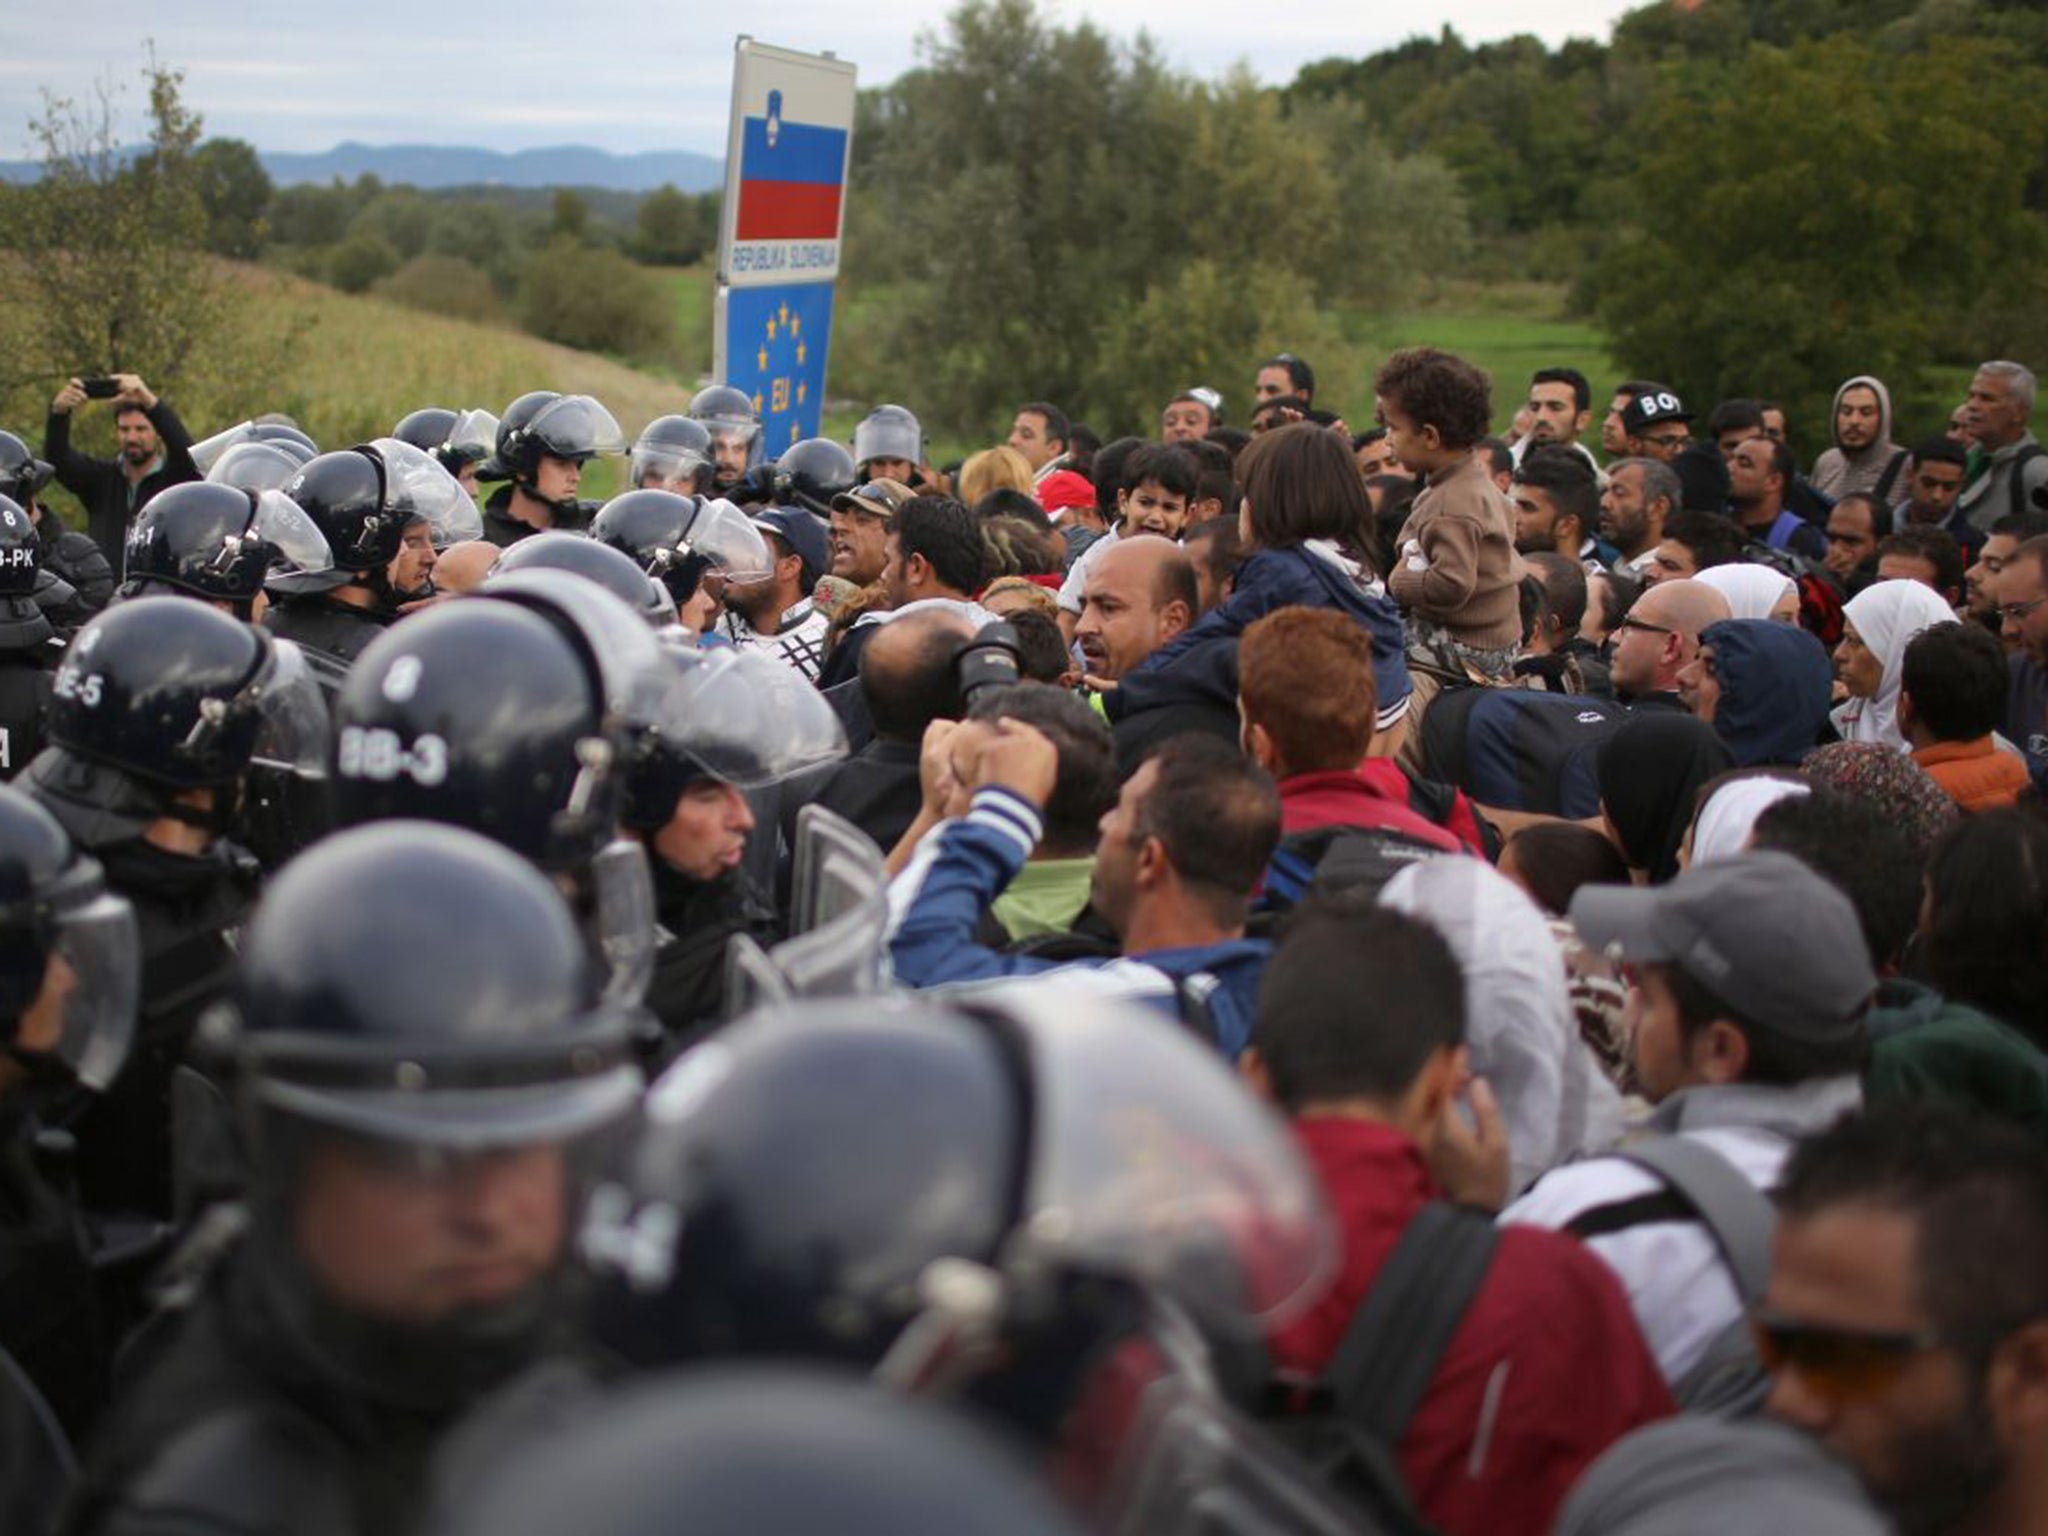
[{"x": 155, "y": 454}]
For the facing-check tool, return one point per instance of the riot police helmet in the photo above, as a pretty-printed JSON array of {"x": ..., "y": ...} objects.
[
  {"x": 559, "y": 550},
  {"x": 220, "y": 543},
  {"x": 810, "y": 473},
  {"x": 69, "y": 963},
  {"x": 890, "y": 432},
  {"x": 677, "y": 539},
  {"x": 22, "y": 474},
  {"x": 672, "y": 453},
  {"x": 573, "y": 427}
]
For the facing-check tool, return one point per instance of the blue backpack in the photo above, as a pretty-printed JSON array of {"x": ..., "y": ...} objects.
[{"x": 1520, "y": 750}]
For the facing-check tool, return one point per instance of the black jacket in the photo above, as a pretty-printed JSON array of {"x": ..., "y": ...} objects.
[
  {"x": 505, "y": 530},
  {"x": 49, "y": 1321},
  {"x": 696, "y": 919},
  {"x": 237, "y": 1430},
  {"x": 877, "y": 790},
  {"x": 110, "y": 501},
  {"x": 186, "y": 908},
  {"x": 337, "y": 630},
  {"x": 24, "y": 704},
  {"x": 76, "y": 559}
]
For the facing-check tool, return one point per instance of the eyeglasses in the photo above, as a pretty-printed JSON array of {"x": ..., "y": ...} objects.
[
  {"x": 1841, "y": 1365},
  {"x": 1670, "y": 439},
  {"x": 1630, "y": 621},
  {"x": 2017, "y": 612}
]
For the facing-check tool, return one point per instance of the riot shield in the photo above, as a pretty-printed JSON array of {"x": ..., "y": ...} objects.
[
  {"x": 824, "y": 837},
  {"x": 36, "y": 1465},
  {"x": 751, "y": 978}
]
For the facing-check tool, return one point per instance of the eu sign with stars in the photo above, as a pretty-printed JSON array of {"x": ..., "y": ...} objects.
[{"x": 778, "y": 252}]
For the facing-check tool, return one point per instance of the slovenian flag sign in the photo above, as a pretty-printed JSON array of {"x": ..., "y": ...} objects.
[{"x": 791, "y": 178}]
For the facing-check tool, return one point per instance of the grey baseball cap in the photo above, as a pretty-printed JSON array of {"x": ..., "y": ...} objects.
[{"x": 1761, "y": 931}]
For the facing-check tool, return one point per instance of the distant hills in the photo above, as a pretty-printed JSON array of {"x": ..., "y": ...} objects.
[{"x": 445, "y": 165}]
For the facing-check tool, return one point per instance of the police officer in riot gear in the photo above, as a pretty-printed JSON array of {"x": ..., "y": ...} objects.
[
  {"x": 544, "y": 440},
  {"x": 735, "y": 428},
  {"x": 68, "y": 982},
  {"x": 383, "y": 509},
  {"x": 810, "y": 473},
  {"x": 72, "y": 558},
  {"x": 420, "y": 1079},
  {"x": 508, "y": 714},
  {"x": 690, "y": 544},
  {"x": 889, "y": 445},
  {"x": 156, "y": 714},
  {"x": 219, "y": 543},
  {"x": 964, "y": 1197},
  {"x": 672, "y": 453},
  {"x": 28, "y": 642},
  {"x": 460, "y": 441},
  {"x": 729, "y": 727}
]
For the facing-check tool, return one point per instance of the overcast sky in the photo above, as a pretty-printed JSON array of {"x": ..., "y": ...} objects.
[{"x": 623, "y": 75}]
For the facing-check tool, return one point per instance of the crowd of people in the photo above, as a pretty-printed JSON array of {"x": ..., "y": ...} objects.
[{"x": 1252, "y": 979}]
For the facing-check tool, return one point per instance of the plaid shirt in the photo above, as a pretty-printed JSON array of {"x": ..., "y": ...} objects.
[{"x": 798, "y": 640}]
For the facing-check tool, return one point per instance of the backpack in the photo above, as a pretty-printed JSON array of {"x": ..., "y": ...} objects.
[
  {"x": 2018, "y": 489},
  {"x": 1362, "y": 1405},
  {"x": 1729, "y": 1381},
  {"x": 1521, "y": 750},
  {"x": 1327, "y": 860}
]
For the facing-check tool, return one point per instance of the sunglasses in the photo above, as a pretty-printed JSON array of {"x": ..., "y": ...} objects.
[{"x": 1841, "y": 1365}]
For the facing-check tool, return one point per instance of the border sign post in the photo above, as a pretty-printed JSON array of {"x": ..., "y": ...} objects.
[{"x": 786, "y": 162}]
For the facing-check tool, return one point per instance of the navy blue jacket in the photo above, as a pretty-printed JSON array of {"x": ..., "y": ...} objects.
[
  {"x": 1776, "y": 684},
  {"x": 1202, "y": 663}
]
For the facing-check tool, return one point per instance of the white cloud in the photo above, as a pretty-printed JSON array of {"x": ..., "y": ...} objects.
[{"x": 623, "y": 74}]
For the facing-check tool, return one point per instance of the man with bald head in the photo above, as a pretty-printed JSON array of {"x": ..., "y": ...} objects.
[
  {"x": 908, "y": 674},
  {"x": 1659, "y": 636}
]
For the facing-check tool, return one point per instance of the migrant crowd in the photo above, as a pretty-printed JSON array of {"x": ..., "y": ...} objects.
[{"x": 1253, "y": 979}]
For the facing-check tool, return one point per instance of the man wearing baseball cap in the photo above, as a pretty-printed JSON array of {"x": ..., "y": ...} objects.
[
  {"x": 1656, "y": 425},
  {"x": 861, "y": 519},
  {"x": 776, "y": 615},
  {"x": 1751, "y": 983}
]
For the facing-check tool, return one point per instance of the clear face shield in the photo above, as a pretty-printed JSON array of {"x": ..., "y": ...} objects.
[
  {"x": 284, "y": 798},
  {"x": 576, "y": 427},
  {"x": 259, "y": 466},
  {"x": 895, "y": 435},
  {"x": 207, "y": 453},
  {"x": 415, "y": 482},
  {"x": 300, "y": 548},
  {"x": 474, "y": 435},
  {"x": 621, "y": 886},
  {"x": 93, "y": 977},
  {"x": 751, "y": 721},
  {"x": 667, "y": 466},
  {"x": 731, "y": 548}
]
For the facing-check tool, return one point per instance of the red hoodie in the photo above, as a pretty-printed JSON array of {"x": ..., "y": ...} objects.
[
  {"x": 1547, "y": 1368},
  {"x": 1375, "y": 794}
]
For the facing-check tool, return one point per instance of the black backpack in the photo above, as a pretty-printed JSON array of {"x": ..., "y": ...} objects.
[
  {"x": 1521, "y": 750},
  {"x": 1328, "y": 860},
  {"x": 1349, "y": 1433}
]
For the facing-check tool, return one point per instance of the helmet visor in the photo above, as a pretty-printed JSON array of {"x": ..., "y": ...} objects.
[
  {"x": 749, "y": 720},
  {"x": 576, "y": 427},
  {"x": 416, "y": 483},
  {"x": 99, "y": 959},
  {"x": 662, "y": 466},
  {"x": 1151, "y": 1159},
  {"x": 294, "y": 732},
  {"x": 892, "y": 436},
  {"x": 284, "y": 525},
  {"x": 208, "y": 453},
  {"x": 729, "y": 543},
  {"x": 258, "y": 466},
  {"x": 474, "y": 435},
  {"x": 622, "y": 903}
]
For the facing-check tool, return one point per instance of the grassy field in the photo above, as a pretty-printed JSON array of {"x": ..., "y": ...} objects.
[{"x": 357, "y": 364}]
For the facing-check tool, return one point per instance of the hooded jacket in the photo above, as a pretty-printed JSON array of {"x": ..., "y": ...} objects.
[
  {"x": 1555, "y": 1102},
  {"x": 1877, "y": 468},
  {"x": 1201, "y": 664},
  {"x": 1776, "y": 680}
]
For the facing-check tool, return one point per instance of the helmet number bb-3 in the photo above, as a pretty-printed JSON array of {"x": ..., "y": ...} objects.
[{"x": 381, "y": 755}]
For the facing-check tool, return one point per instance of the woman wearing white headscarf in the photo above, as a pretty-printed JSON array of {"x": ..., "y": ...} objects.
[
  {"x": 1754, "y": 591},
  {"x": 1729, "y": 814},
  {"x": 1555, "y": 1101},
  {"x": 1879, "y": 623}
]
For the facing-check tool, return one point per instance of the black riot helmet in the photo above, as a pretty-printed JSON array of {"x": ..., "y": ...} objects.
[
  {"x": 676, "y": 539},
  {"x": 160, "y": 695},
  {"x": 363, "y": 500},
  {"x": 559, "y": 550},
  {"x": 739, "y": 717},
  {"x": 747, "y": 1452},
  {"x": 802, "y": 1182},
  {"x": 27, "y": 590},
  {"x": 278, "y": 434},
  {"x": 810, "y": 473},
  {"x": 491, "y": 1036},
  {"x": 55, "y": 908},
  {"x": 22, "y": 474},
  {"x": 454, "y": 438},
  {"x": 20, "y": 549},
  {"x": 572, "y": 427},
  {"x": 672, "y": 453},
  {"x": 735, "y": 428},
  {"x": 888, "y": 432},
  {"x": 511, "y": 422},
  {"x": 219, "y": 543}
]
